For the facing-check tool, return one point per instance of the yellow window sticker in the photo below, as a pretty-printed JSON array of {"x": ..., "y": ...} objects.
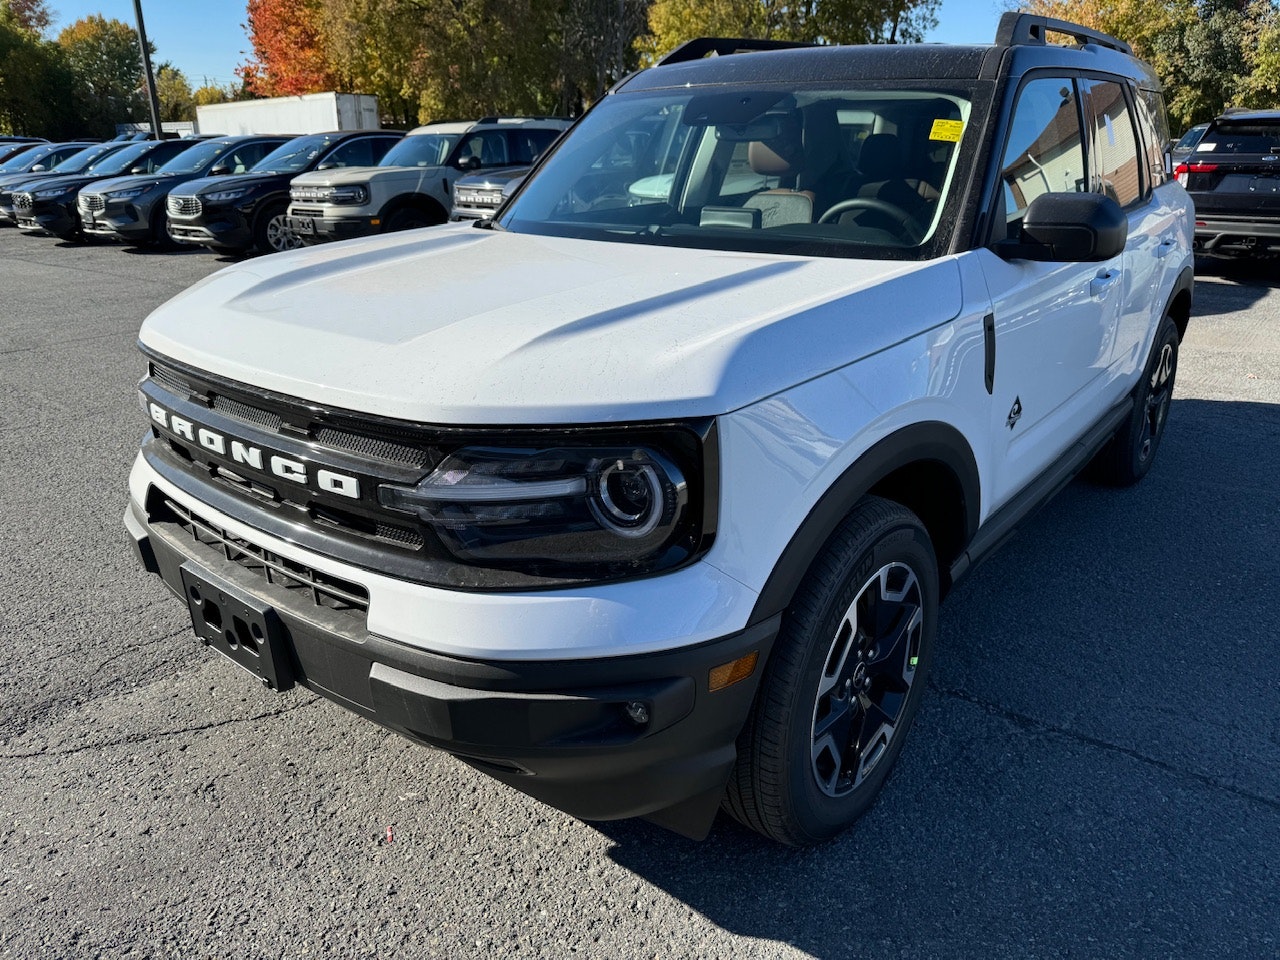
[{"x": 947, "y": 130}]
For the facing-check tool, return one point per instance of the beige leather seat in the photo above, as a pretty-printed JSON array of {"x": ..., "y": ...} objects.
[{"x": 782, "y": 156}]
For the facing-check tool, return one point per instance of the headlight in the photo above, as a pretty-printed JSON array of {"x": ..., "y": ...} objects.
[
  {"x": 130, "y": 192},
  {"x": 354, "y": 195},
  {"x": 51, "y": 192},
  {"x": 222, "y": 196},
  {"x": 567, "y": 513}
]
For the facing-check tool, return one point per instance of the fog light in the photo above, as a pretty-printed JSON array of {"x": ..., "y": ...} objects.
[{"x": 638, "y": 712}]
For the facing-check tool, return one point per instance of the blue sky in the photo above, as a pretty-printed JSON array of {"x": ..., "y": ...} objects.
[{"x": 204, "y": 38}]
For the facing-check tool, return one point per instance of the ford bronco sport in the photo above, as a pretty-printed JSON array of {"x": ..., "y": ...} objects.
[{"x": 642, "y": 497}]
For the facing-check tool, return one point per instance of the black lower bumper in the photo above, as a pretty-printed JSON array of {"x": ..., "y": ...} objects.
[
  {"x": 600, "y": 739},
  {"x": 319, "y": 229},
  {"x": 54, "y": 218},
  {"x": 1236, "y": 236}
]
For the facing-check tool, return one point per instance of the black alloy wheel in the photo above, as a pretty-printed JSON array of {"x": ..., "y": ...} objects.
[{"x": 843, "y": 682}]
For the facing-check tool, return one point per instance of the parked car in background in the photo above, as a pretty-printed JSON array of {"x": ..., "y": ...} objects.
[
  {"x": 246, "y": 212},
  {"x": 479, "y": 195},
  {"x": 60, "y": 160},
  {"x": 411, "y": 187},
  {"x": 49, "y": 206},
  {"x": 1234, "y": 178},
  {"x": 132, "y": 208},
  {"x": 1186, "y": 144}
]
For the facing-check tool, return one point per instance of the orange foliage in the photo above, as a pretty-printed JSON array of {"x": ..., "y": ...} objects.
[{"x": 289, "y": 56}]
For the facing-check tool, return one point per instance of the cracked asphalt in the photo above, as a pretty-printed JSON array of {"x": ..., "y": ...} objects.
[{"x": 1095, "y": 771}]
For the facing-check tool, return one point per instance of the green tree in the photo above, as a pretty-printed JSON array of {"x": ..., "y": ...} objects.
[
  {"x": 104, "y": 56},
  {"x": 174, "y": 93},
  {"x": 34, "y": 83},
  {"x": 378, "y": 47}
]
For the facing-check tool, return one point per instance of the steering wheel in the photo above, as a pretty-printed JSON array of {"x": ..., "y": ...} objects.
[{"x": 902, "y": 221}]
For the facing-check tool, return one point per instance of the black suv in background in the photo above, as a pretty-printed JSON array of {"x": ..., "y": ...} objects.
[
  {"x": 46, "y": 160},
  {"x": 236, "y": 214},
  {"x": 1234, "y": 178},
  {"x": 132, "y": 208},
  {"x": 49, "y": 205}
]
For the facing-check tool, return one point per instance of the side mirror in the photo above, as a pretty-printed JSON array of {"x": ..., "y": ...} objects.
[
  {"x": 1069, "y": 228},
  {"x": 140, "y": 168},
  {"x": 327, "y": 166},
  {"x": 39, "y": 168},
  {"x": 471, "y": 164},
  {"x": 219, "y": 170}
]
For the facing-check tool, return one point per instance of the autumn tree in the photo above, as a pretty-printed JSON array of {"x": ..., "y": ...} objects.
[
  {"x": 103, "y": 54},
  {"x": 32, "y": 16},
  {"x": 671, "y": 22},
  {"x": 378, "y": 47},
  {"x": 1210, "y": 54},
  {"x": 289, "y": 54}
]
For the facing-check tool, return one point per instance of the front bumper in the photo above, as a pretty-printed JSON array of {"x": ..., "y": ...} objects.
[
  {"x": 564, "y": 731},
  {"x": 311, "y": 225},
  {"x": 220, "y": 227},
  {"x": 123, "y": 219},
  {"x": 45, "y": 216}
]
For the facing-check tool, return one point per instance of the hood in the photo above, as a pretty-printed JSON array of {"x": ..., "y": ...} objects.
[
  {"x": 228, "y": 182},
  {"x": 340, "y": 176},
  {"x": 11, "y": 181},
  {"x": 66, "y": 182},
  {"x": 456, "y": 325},
  {"x": 133, "y": 180}
]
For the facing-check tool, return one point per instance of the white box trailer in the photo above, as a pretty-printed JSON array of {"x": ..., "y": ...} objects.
[{"x": 309, "y": 113}]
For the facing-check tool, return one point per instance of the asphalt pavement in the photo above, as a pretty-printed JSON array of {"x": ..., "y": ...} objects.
[{"x": 1095, "y": 771}]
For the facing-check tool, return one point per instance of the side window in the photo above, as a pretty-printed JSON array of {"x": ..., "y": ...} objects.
[
  {"x": 247, "y": 155},
  {"x": 1044, "y": 153},
  {"x": 1155, "y": 131},
  {"x": 1116, "y": 170},
  {"x": 527, "y": 145},
  {"x": 353, "y": 153},
  {"x": 490, "y": 147},
  {"x": 164, "y": 153}
]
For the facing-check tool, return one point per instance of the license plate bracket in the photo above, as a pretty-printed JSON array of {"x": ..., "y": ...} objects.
[
  {"x": 238, "y": 625},
  {"x": 301, "y": 225}
]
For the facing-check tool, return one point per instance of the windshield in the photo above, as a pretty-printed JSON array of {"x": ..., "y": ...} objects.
[
  {"x": 1244, "y": 136},
  {"x": 198, "y": 158},
  {"x": 19, "y": 162},
  {"x": 82, "y": 161},
  {"x": 421, "y": 150},
  {"x": 296, "y": 155},
  {"x": 818, "y": 171},
  {"x": 122, "y": 160}
]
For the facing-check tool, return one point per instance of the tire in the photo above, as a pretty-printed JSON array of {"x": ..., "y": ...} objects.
[
  {"x": 408, "y": 218},
  {"x": 269, "y": 233},
  {"x": 834, "y": 705},
  {"x": 1129, "y": 454}
]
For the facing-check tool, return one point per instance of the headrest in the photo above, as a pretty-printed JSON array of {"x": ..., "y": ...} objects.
[
  {"x": 779, "y": 156},
  {"x": 881, "y": 157}
]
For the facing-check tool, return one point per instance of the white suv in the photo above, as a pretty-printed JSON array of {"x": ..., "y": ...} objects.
[
  {"x": 412, "y": 185},
  {"x": 643, "y": 499}
]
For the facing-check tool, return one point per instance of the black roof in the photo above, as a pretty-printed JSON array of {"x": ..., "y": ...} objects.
[{"x": 1020, "y": 45}]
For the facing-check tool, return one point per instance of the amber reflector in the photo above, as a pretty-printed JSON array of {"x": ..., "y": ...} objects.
[{"x": 728, "y": 674}]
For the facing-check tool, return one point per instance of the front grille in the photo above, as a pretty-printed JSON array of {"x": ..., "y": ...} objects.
[
  {"x": 93, "y": 202},
  {"x": 183, "y": 206},
  {"x": 374, "y": 447},
  {"x": 246, "y": 413},
  {"x": 301, "y": 582},
  {"x": 307, "y": 212},
  {"x": 170, "y": 380},
  {"x": 23, "y": 201}
]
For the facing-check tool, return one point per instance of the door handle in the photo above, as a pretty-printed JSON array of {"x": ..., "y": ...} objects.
[
  {"x": 1101, "y": 285},
  {"x": 1165, "y": 248}
]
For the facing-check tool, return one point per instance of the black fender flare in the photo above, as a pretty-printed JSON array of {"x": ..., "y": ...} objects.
[{"x": 929, "y": 441}]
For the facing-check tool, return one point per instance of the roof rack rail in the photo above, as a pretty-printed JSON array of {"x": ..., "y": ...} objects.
[
  {"x": 723, "y": 46},
  {"x": 519, "y": 116},
  {"x": 1029, "y": 29}
]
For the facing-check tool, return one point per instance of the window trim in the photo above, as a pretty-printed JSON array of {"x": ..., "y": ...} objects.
[{"x": 1126, "y": 88}]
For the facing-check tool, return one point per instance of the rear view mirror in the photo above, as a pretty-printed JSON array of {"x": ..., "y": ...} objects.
[
  {"x": 768, "y": 127},
  {"x": 1069, "y": 228}
]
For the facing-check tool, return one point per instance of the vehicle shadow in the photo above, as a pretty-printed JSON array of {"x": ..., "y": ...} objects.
[{"x": 1095, "y": 770}]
